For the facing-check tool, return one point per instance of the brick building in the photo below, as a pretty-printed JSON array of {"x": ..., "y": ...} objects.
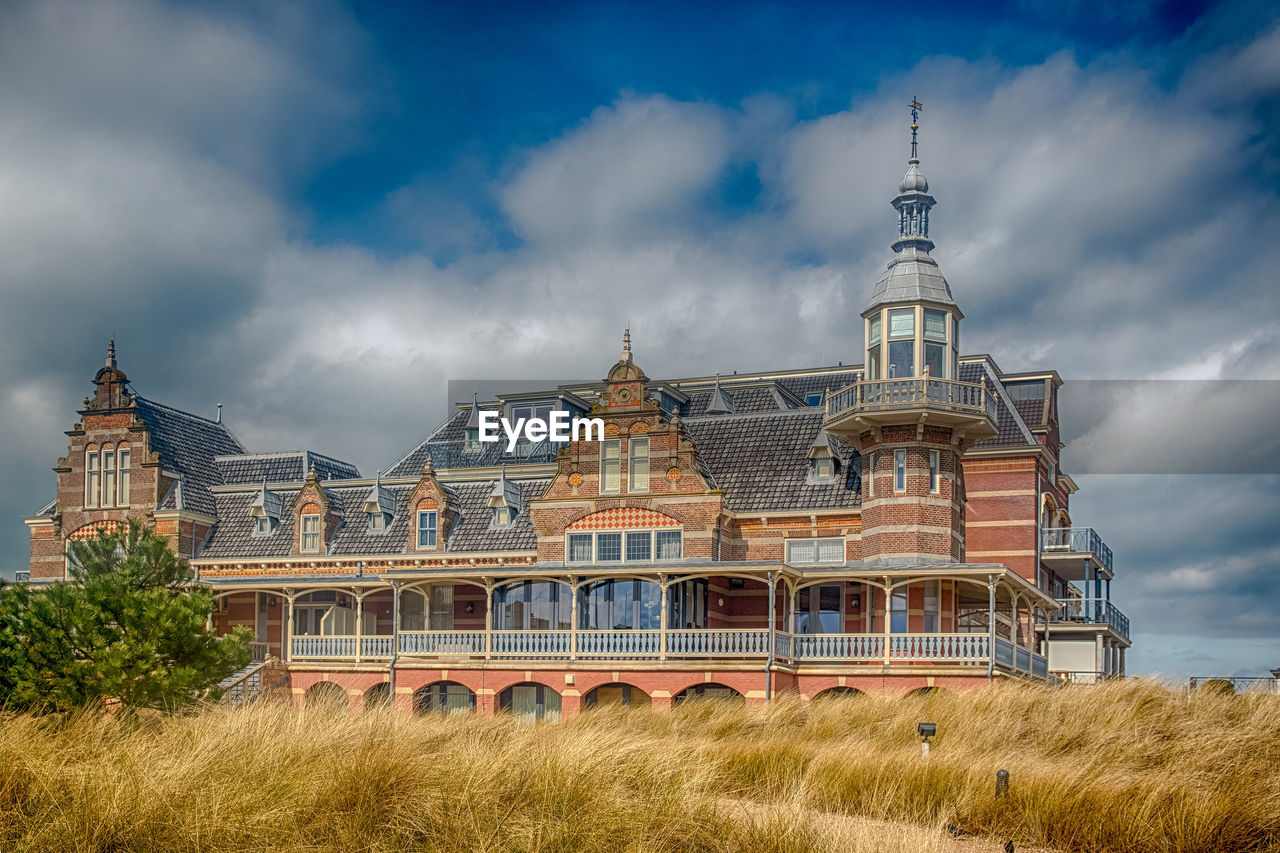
[{"x": 898, "y": 525}]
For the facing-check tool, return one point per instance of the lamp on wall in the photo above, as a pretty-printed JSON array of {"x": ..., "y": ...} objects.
[
  {"x": 272, "y": 601},
  {"x": 471, "y": 607},
  {"x": 855, "y": 600}
]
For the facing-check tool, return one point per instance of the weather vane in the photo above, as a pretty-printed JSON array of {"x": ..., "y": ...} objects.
[{"x": 916, "y": 107}]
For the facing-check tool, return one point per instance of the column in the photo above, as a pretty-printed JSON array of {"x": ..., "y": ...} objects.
[
  {"x": 888, "y": 619},
  {"x": 573, "y": 618},
  {"x": 488, "y": 620},
  {"x": 359, "y": 596},
  {"x": 286, "y": 632},
  {"x": 663, "y": 583},
  {"x": 991, "y": 625},
  {"x": 1099, "y": 652},
  {"x": 1122, "y": 651}
]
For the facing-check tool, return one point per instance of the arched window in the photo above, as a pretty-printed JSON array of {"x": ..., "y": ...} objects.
[
  {"x": 710, "y": 690},
  {"x": 325, "y": 695},
  {"x": 838, "y": 693},
  {"x": 378, "y": 697},
  {"x": 444, "y": 697},
  {"x": 531, "y": 702},
  {"x": 612, "y": 695}
]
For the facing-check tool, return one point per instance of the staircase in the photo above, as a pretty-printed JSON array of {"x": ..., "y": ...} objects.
[{"x": 258, "y": 678}]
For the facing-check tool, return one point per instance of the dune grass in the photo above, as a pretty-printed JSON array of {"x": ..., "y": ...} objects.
[{"x": 1126, "y": 766}]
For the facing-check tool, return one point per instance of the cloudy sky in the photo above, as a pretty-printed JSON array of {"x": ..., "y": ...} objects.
[{"x": 318, "y": 214}]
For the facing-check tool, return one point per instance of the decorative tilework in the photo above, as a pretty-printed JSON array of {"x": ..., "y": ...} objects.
[{"x": 624, "y": 518}]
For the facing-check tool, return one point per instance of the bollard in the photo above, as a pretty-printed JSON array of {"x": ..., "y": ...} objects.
[{"x": 1002, "y": 783}]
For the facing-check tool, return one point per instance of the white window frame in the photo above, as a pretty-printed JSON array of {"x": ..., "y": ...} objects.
[
  {"x": 503, "y": 516},
  {"x": 899, "y": 471},
  {"x": 378, "y": 522},
  {"x": 638, "y": 465},
  {"x": 312, "y": 536},
  {"x": 92, "y": 479},
  {"x": 595, "y": 546},
  {"x": 264, "y": 521},
  {"x": 832, "y": 544},
  {"x": 824, "y": 467},
  {"x": 123, "y": 459},
  {"x": 610, "y": 467},
  {"x": 108, "y": 477},
  {"x": 935, "y": 473},
  {"x": 430, "y": 516}
]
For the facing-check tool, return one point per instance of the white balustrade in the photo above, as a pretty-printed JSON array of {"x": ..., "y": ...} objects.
[
  {"x": 957, "y": 647},
  {"x": 618, "y": 644},
  {"x": 442, "y": 642},
  {"x": 324, "y": 647},
  {"x": 377, "y": 646},
  {"x": 839, "y": 646},
  {"x": 718, "y": 643},
  {"x": 531, "y": 644}
]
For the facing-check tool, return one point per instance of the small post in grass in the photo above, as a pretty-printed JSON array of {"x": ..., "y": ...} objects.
[
  {"x": 1002, "y": 783},
  {"x": 926, "y": 731}
]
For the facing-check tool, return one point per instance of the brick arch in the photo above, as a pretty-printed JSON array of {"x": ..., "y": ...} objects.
[
  {"x": 91, "y": 530},
  {"x": 625, "y": 518}
]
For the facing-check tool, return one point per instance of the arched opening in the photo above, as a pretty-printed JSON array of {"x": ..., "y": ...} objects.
[
  {"x": 326, "y": 695},
  {"x": 616, "y": 695},
  {"x": 531, "y": 702},
  {"x": 378, "y": 697},
  {"x": 444, "y": 697},
  {"x": 923, "y": 692},
  {"x": 838, "y": 693},
  {"x": 710, "y": 690}
]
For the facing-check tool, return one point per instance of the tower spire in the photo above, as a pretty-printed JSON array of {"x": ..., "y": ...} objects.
[
  {"x": 916, "y": 107},
  {"x": 111, "y": 353}
]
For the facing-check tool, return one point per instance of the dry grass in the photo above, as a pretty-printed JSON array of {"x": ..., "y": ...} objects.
[{"x": 1121, "y": 767}]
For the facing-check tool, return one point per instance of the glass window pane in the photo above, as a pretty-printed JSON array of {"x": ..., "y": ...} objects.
[
  {"x": 668, "y": 544},
  {"x": 829, "y": 608},
  {"x": 873, "y": 363},
  {"x": 426, "y": 529},
  {"x": 935, "y": 358},
  {"x": 639, "y": 547},
  {"x": 902, "y": 323},
  {"x": 610, "y": 466},
  {"x": 933, "y": 470},
  {"x": 955, "y": 332},
  {"x": 579, "y": 547},
  {"x": 639, "y": 465},
  {"x": 898, "y": 622},
  {"x": 801, "y": 551},
  {"x": 608, "y": 547},
  {"x": 899, "y": 470},
  {"x": 830, "y": 550},
  {"x": 124, "y": 478},
  {"x": 874, "y": 335},
  {"x": 92, "y": 481},
  {"x": 935, "y": 324},
  {"x": 413, "y": 614},
  {"x": 108, "y": 478},
  {"x": 902, "y": 359},
  {"x": 441, "y": 602}
]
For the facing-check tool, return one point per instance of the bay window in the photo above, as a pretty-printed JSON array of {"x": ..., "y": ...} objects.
[{"x": 902, "y": 343}]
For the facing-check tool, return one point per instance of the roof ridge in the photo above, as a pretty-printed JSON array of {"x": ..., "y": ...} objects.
[
  {"x": 776, "y": 413},
  {"x": 429, "y": 437}
]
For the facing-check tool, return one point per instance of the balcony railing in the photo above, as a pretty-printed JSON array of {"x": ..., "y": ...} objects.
[
  {"x": 21, "y": 577},
  {"x": 882, "y": 395},
  {"x": 1092, "y": 611},
  {"x": 683, "y": 645},
  {"x": 1238, "y": 684},
  {"x": 1075, "y": 540}
]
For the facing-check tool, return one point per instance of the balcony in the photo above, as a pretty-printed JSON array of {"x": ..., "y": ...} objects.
[
  {"x": 21, "y": 577},
  {"x": 941, "y": 401},
  {"x": 1091, "y": 611},
  {"x": 681, "y": 645},
  {"x": 1073, "y": 551}
]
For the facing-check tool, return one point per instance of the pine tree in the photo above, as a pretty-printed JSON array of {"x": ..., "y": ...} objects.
[{"x": 128, "y": 626}]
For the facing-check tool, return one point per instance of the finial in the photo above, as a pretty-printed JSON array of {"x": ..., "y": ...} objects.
[
  {"x": 111, "y": 353},
  {"x": 218, "y": 418},
  {"x": 626, "y": 345},
  {"x": 427, "y": 467},
  {"x": 916, "y": 107}
]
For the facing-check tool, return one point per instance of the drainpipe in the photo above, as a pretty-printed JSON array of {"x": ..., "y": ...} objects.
[
  {"x": 991, "y": 628},
  {"x": 768, "y": 666},
  {"x": 395, "y": 639}
]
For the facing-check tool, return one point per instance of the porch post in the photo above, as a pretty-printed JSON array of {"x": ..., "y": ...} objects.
[
  {"x": 791, "y": 609},
  {"x": 1013, "y": 619},
  {"x": 1122, "y": 650},
  {"x": 1098, "y": 663},
  {"x": 663, "y": 582},
  {"x": 286, "y": 632},
  {"x": 395, "y": 639},
  {"x": 773, "y": 634},
  {"x": 888, "y": 618},
  {"x": 573, "y": 618},
  {"x": 1108, "y": 590},
  {"x": 488, "y": 619},
  {"x": 359, "y": 618},
  {"x": 991, "y": 627}
]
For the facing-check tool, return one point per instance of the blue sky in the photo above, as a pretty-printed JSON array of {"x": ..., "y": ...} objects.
[{"x": 318, "y": 213}]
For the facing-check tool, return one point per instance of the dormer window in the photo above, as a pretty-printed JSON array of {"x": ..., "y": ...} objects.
[
  {"x": 822, "y": 462},
  {"x": 263, "y": 525},
  {"x": 266, "y": 511},
  {"x": 427, "y": 529},
  {"x": 378, "y": 522},
  {"x": 824, "y": 467},
  {"x": 379, "y": 506},
  {"x": 502, "y": 516},
  {"x": 310, "y": 536},
  {"x": 505, "y": 501}
]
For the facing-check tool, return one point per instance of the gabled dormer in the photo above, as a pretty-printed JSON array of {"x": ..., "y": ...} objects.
[
  {"x": 505, "y": 501},
  {"x": 379, "y": 506},
  {"x": 266, "y": 510},
  {"x": 314, "y": 518},
  {"x": 824, "y": 465},
  {"x": 431, "y": 514}
]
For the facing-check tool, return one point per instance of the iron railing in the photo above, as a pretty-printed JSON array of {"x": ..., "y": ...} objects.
[
  {"x": 21, "y": 577},
  {"x": 880, "y": 395},
  {"x": 1092, "y": 611},
  {"x": 1075, "y": 540},
  {"x": 1238, "y": 684}
]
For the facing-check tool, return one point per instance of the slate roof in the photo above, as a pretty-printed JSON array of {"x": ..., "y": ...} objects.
[
  {"x": 286, "y": 467},
  {"x": 472, "y": 530},
  {"x": 762, "y": 461},
  {"x": 1009, "y": 424},
  {"x": 446, "y": 447},
  {"x": 187, "y": 445}
]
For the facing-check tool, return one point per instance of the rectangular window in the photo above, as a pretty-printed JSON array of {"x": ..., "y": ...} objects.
[
  {"x": 262, "y": 525},
  {"x": 108, "y": 478},
  {"x": 441, "y": 608},
  {"x": 124, "y": 478},
  {"x": 902, "y": 359},
  {"x": 871, "y": 476},
  {"x": 638, "y": 467},
  {"x": 92, "y": 479},
  {"x": 310, "y": 543},
  {"x": 502, "y": 515},
  {"x": 579, "y": 548},
  {"x": 668, "y": 542},
  {"x": 608, "y": 547},
  {"x": 873, "y": 363},
  {"x": 902, "y": 323},
  {"x": 935, "y": 358},
  {"x": 610, "y": 466},
  {"x": 899, "y": 470},
  {"x": 933, "y": 471},
  {"x": 377, "y": 521},
  {"x": 811, "y": 551},
  {"x": 639, "y": 547},
  {"x": 427, "y": 529},
  {"x": 898, "y": 617},
  {"x": 955, "y": 333},
  {"x": 935, "y": 324},
  {"x": 931, "y": 607},
  {"x": 824, "y": 466},
  {"x": 873, "y": 336}
]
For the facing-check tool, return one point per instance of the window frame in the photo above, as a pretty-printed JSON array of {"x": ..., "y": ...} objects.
[
  {"x": 611, "y": 466},
  {"x": 124, "y": 478},
  {"x": 638, "y": 464},
  {"x": 624, "y": 536},
  {"x": 108, "y": 477},
  {"x": 791, "y": 546},
  {"x": 92, "y": 479},
  {"x": 305, "y": 535},
  {"x": 935, "y": 472},
  {"x": 429, "y": 529},
  {"x": 899, "y": 471}
]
